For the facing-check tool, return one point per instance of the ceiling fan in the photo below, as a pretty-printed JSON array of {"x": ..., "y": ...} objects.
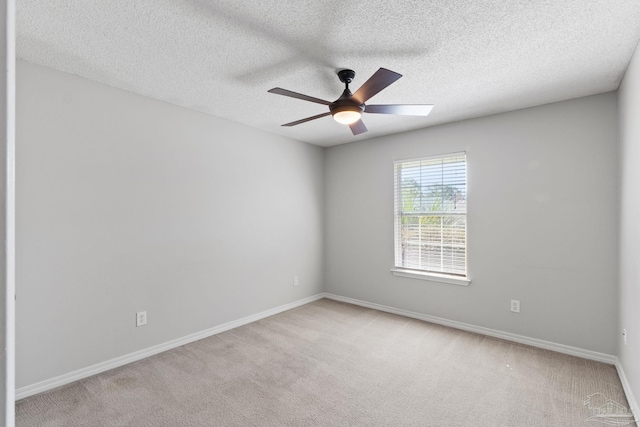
[{"x": 349, "y": 107}]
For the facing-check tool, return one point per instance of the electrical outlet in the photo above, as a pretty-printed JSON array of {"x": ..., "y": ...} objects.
[
  {"x": 624, "y": 336},
  {"x": 515, "y": 306},
  {"x": 295, "y": 280},
  {"x": 141, "y": 318}
]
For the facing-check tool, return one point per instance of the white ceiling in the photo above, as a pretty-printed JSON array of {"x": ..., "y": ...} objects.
[{"x": 468, "y": 58}]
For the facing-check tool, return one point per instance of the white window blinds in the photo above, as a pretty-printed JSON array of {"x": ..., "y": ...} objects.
[{"x": 431, "y": 214}]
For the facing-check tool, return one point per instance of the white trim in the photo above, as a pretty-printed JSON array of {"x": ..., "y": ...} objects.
[
  {"x": 70, "y": 377},
  {"x": 633, "y": 404},
  {"x": 435, "y": 156},
  {"x": 8, "y": 123},
  {"x": 534, "y": 342},
  {"x": 433, "y": 277}
]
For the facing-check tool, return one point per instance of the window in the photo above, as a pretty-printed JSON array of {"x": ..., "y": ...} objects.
[{"x": 431, "y": 215}]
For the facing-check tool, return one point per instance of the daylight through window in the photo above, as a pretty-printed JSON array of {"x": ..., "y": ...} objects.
[{"x": 431, "y": 214}]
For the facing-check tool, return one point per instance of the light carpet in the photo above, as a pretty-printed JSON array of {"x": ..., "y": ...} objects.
[{"x": 334, "y": 364}]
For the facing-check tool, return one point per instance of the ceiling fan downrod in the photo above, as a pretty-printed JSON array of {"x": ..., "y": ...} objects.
[{"x": 346, "y": 77}]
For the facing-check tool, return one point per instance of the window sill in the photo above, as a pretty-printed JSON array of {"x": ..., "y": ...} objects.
[{"x": 432, "y": 277}]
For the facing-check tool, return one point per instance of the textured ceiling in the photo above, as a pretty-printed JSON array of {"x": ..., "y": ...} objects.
[{"x": 468, "y": 58}]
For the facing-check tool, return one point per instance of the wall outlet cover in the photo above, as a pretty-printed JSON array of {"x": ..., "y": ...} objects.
[
  {"x": 515, "y": 306},
  {"x": 141, "y": 318}
]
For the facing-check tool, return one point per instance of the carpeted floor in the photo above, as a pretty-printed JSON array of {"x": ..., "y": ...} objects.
[{"x": 335, "y": 364}]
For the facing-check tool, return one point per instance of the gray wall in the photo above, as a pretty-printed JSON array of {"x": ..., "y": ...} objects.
[
  {"x": 629, "y": 110},
  {"x": 127, "y": 204},
  {"x": 542, "y": 222}
]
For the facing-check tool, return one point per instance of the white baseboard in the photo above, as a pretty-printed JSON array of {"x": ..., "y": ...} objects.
[
  {"x": 633, "y": 403},
  {"x": 560, "y": 348},
  {"x": 70, "y": 377}
]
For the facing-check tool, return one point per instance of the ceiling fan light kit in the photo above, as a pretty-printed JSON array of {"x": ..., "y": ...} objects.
[
  {"x": 349, "y": 107},
  {"x": 347, "y": 115}
]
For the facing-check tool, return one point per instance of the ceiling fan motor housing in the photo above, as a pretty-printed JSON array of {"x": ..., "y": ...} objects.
[
  {"x": 346, "y": 104},
  {"x": 345, "y": 109}
]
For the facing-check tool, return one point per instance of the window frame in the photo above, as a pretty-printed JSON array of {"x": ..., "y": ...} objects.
[{"x": 401, "y": 271}]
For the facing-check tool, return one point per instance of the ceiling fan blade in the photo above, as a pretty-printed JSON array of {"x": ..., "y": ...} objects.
[
  {"x": 280, "y": 91},
  {"x": 308, "y": 119},
  {"x": 378, "y": 81},
  {"x": 358, "y": 127},
  {"x": 405, "y": 110}
]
